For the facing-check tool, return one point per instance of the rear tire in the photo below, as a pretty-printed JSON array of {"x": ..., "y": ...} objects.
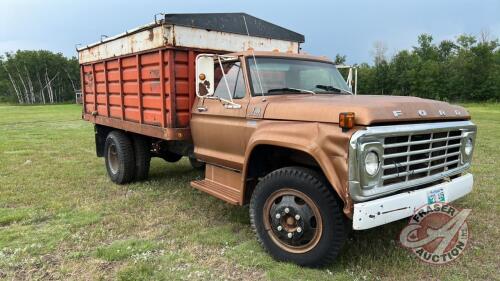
[
  {"x": 297, "y": 218},
  {"x": 142, "y": 153},
  {"x": 119, "y": 157}
]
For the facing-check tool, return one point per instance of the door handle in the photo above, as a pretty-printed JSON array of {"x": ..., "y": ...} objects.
[{"x": 202, "y": 109}]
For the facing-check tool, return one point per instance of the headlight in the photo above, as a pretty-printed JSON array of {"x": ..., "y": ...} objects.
[
  {"x": 469, "y": 145},
  {"x": 371, "y": 163}
]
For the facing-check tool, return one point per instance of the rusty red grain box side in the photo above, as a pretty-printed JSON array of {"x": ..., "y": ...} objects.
[{"x": 154, "y": 88}]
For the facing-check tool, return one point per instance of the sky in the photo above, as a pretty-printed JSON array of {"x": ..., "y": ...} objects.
[{"x": 330, "y": 27}]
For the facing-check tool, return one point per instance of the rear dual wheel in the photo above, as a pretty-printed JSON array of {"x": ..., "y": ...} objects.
[
  {"x": 142, "y": 154},
  {"x": 126, "y": 158},
  {"x": 297, "y": 218}
]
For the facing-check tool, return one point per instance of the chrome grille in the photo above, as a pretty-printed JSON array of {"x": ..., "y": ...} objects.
[
  {"x": 409, "y": 157},
  {"x": 412, "y": 156}
]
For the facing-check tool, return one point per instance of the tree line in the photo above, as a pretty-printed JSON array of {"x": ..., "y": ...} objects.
[
  {"x": 465, "y": 69},
  {"x": 38, "y": 77}
]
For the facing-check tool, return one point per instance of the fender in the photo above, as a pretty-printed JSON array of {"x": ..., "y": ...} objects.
[{"x": 325, "y": 143}]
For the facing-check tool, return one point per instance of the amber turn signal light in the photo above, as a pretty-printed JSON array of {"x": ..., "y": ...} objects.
[
  {"x": 346, "y": 120},
  {"x": 202, "y": 77}
]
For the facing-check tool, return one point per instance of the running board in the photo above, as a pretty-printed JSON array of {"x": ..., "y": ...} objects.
[{"x": 222, "y": 183}]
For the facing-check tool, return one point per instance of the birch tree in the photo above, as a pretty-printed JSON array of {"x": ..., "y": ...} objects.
[{"x": 35, "y": 77}]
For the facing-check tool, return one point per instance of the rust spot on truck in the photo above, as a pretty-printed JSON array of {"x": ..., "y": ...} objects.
[
  {"x": 173, "y": 36},
  {"x": 155, "y": 74}
]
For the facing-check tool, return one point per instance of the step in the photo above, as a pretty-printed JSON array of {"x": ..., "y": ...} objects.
[{"x": 221, "y": 191}]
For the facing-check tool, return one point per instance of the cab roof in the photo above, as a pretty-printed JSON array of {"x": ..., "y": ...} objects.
[{"x": 275, "y": 54}]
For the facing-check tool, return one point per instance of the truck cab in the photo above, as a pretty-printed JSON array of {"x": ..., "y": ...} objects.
[{"x": 262, "y": 119}]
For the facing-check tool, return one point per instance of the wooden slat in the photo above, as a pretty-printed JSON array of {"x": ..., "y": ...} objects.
[
  {"x": 83, "y": 88},
  {"x": 161, "y": 65},
  {"x": 120, "y": 80},
  {"x": 106, "y": 91},
  {"x": 94, "y": 87},
  {"x": 191, "y": 78},
  {"x": 172, "y": 94},
  {"x": 139, "y": 88}
]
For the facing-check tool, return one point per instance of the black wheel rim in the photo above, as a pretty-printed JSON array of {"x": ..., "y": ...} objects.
[{"x": 292, "y": 220}]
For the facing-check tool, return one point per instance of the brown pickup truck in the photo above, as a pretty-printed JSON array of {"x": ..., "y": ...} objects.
[{"x": 273, "y": 128}]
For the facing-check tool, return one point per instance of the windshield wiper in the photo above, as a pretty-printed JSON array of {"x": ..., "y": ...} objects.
[
  {"x": 332, "y": 89},
  {"x": 296, "y": 90}
]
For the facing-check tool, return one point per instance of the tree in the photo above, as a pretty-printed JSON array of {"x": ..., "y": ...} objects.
[
  {"x": 464, "y": 69},
  {"x": 379, "y": 51},
  {"x": 37, "y": 77}
]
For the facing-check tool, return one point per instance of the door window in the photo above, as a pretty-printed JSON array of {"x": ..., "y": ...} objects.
[{"x": 234, "y": 76}]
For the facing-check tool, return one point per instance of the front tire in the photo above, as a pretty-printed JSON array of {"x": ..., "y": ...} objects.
[
  {"x": 297, "y": 218},
  {"x": 119, "y": 157}
]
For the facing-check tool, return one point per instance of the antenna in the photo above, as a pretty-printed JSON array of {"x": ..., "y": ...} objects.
[{"x": 254, "y": 60}]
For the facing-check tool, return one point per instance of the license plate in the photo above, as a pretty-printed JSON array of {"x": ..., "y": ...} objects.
[{"x": 436, "y": 196}]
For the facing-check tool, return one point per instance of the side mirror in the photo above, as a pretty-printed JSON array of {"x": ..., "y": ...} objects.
[
  {"x": 205, "y": 72},
  {"x": 352, "y": 77},
  {"x": 204, "y": 75}
]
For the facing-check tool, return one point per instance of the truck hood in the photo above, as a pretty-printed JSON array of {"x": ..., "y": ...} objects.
[{"x": 368, "y": 109}]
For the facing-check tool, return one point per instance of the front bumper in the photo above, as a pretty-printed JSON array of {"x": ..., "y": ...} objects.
[{"x": 391, "y": 208}]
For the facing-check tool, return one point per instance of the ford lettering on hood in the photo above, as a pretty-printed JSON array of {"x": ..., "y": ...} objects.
[{"x": 369, "y": 110}]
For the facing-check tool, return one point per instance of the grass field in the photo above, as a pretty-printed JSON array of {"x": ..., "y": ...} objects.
[{"x": 62, "y": 218}]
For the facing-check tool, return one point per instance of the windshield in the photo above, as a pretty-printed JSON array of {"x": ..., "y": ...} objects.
[{"x": 274, "y": 76}]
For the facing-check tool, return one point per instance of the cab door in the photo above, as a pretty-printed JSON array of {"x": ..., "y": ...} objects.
[{"x": 219, "y": 130}]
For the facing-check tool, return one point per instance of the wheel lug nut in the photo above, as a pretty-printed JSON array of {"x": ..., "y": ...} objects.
[
  {"x": 297, "y": 217},
  {"x": 290, "y": 235},
  {"x": 278, "y": 216},
  {"x": 279, "y": 227},
  {"x": 287, "y": 210},
  {"x": 299, "y": 229}
]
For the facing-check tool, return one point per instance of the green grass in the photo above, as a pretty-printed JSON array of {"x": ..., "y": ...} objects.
[
  {"x": 120, "y": 250},
  {"x": 62, "y": 218}
]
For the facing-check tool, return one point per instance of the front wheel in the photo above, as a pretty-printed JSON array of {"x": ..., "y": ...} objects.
[{"x": 297, "y": 218}]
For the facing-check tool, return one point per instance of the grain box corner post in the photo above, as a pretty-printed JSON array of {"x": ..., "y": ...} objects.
[{"x": 143, "y": 81}]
